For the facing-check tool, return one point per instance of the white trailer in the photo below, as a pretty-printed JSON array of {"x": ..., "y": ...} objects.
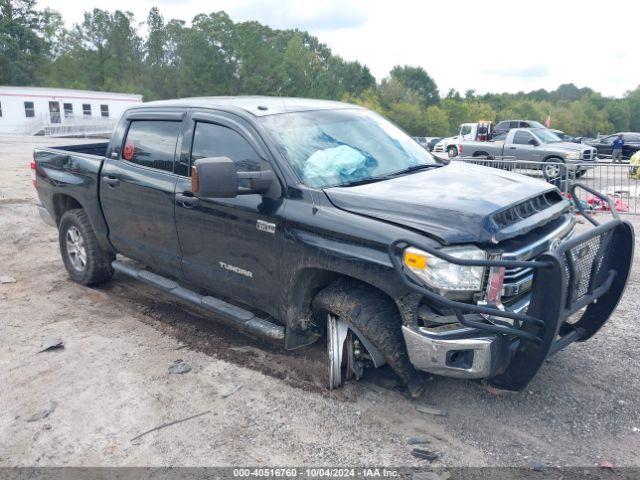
[{"x": 60, "y": 111}]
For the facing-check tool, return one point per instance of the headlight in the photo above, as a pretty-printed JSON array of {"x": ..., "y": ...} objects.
[
  {"x": 573, "y": 155},
  {"x": 443, "y": 276}
]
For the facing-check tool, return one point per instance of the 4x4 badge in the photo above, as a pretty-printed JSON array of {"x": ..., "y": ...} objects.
[{"x": 266, "y": 227}]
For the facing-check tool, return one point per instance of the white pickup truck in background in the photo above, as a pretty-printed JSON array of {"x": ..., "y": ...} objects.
[{"x": 480, "y": 131}]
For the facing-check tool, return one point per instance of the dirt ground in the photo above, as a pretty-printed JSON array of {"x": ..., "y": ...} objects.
[{"x": 110, "y": 382}]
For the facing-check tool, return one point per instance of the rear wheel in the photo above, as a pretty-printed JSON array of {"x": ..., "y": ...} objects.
[{"x": 83, "y": 258}]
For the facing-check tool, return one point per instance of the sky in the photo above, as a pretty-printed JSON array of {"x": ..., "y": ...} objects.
[{"x": 490, "y": 46}]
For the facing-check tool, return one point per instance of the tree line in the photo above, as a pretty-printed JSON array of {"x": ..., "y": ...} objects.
[{"x": 111, "y": 51}]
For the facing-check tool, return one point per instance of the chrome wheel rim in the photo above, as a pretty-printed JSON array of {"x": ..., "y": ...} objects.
[
  {"x": 336, "y": 335},
  {"x": 551, "y": 171},
  {"x": 76, "y": 251},
  {"x": 344, "y": 352}
]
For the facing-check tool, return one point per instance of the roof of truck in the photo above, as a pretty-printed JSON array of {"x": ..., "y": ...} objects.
[{"x": 256, "y": 105}]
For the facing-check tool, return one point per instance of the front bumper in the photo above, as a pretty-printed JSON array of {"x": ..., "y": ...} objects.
[
  {"x": 585, "y": 275},
  {"x": 470, "y": 357},
  {"x": 580, "y": 165}
]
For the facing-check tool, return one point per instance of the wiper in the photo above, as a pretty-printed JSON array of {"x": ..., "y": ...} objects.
[
  {"x": 364, "y": 181},
  {"x": 415, "y": 168}
]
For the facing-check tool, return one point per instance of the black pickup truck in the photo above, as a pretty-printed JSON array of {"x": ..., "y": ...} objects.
[{"x": 299, "y": 220}]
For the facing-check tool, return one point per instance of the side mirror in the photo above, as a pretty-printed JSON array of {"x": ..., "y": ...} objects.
[
  {"x": 218, "y": 177},
  {"x": 534, "y": 142}
]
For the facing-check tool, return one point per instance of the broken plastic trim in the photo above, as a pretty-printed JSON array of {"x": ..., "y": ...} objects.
[
  {"x": 413, "y": 281},
  {"x": 551, "y": 261}
]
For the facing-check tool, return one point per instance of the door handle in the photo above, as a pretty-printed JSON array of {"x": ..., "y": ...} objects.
[
  {"x": 512, "y": 148},
  {"x": 111, "y": 181},
  {"x": 187, "y": 199}
]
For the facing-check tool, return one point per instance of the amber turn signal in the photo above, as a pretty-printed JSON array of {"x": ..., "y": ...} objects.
[
  {"x": 415, "y": 260},
  {"x": 195, "y": 180}
]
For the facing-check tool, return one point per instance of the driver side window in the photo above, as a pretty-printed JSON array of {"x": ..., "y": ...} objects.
[
  {"x": 522, "y": 138},
  {"x": 212, "y": 140}
]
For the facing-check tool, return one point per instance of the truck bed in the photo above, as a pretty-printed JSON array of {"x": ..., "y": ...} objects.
[{"x": 98, "y": 149}]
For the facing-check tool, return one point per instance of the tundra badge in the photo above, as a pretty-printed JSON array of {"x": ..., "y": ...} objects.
[
  {"x": 266, "y": 227},
  {"x": 234, "y": 269}
]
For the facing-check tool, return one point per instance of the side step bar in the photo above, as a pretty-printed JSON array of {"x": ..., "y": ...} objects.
[{"x": 244, "y": 319}]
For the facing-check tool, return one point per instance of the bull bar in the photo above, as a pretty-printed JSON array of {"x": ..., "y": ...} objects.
[{"x": 589, "y": 270}]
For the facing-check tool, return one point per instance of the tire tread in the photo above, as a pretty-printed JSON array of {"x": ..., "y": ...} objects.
[
  {"x": 376, "y": 317},
  {"x": 98, "y": 268}
]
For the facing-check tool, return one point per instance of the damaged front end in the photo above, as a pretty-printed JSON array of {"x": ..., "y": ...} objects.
[{"x": 531, "y": 308}]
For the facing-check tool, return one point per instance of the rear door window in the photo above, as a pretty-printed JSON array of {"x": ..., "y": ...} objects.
[{"x": 152, "y": 143}]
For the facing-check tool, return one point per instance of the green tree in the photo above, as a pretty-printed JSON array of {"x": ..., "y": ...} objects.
[
  {"x": 300, "y": 68},
  {"x": 619, "y": 114},
  {"x": 419, "y": 81},
  {"x": 157, "y": 74},
  {"x": 457, "y": 110},
  {"x": 437, "y": 122},
  {"x": 479, "y": 110},
  {"x": 23, "y": 49},
  {"x": 633, "y": 99},
  {"x": 392, "y": 91},
  {"x": 409, "y": 117}
]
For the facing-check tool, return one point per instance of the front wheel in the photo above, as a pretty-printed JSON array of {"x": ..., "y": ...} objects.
[
  {"x": 551, "y": 169},
  {"x": 452, "y": 151},
  {"x": 83, "y": 258},
  {"x": 363, "y": 328}
]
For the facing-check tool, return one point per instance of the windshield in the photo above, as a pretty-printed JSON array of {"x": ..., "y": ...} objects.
[
  {"x": 534, "y": 124},
  {"x": 338, "y": 147},
  {"x": 546, "y": 136}
]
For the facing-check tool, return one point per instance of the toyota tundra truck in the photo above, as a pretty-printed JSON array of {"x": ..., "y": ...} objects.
[{"x": 302, "y": 220}]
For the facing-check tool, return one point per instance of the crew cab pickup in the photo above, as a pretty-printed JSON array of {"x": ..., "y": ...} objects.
[
  {"x": 299, "y": 220},
  {"x": 535, "y": 148}
]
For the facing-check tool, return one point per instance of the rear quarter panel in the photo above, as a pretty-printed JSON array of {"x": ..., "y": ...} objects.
[{"x": 62, "y": 173}]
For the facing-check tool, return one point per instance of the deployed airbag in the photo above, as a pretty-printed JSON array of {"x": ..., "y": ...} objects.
[{"x": 333, "y": 162}]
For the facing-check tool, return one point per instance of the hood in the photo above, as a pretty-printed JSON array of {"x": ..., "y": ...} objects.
[
  {"x": 454, "y": 204},
  {"x": 448, "y": 140},
  {"x": 564, "y": 146}
]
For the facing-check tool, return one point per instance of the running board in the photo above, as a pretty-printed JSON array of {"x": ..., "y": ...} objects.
[{"x": 244, "y": 319}]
